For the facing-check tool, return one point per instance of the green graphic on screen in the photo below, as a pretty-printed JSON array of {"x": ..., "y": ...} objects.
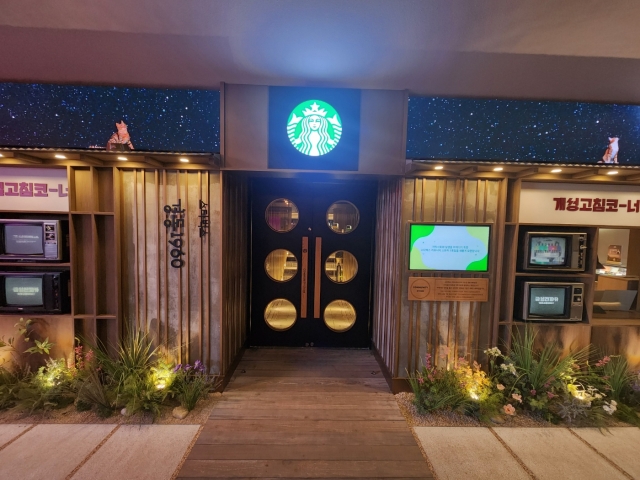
[
  {"x": 449, "y": 247},
  {"x": 314, "y": 128}
]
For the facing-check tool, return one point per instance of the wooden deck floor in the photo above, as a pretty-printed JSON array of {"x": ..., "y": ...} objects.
[{"x": 306, "y": 413}]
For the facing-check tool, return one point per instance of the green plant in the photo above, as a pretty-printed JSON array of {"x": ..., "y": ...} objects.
[
  {"x": 41, "y": 347},
  {"x": 24, "y": 329},
  {"x": 129, "y": 379},
  {"x": 92, "y": 391},
  {"x": 50, "y": 387},
  {"x": 190, "y": 384},
  {"x": 436, "y": 389},
  {"x": 535, "y": 379},
  {"x": 142, "y": 394}
]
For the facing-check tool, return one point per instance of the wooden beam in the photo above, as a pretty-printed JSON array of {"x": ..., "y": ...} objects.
[
  {"x": 468, "y": 171},
  {"x": 152, "y": 161},
  {"x": 27, "y": 158},
  {"x": 526, "y": 172},
  {"x": 15, "y": 161},
  {"x": 633, "y": 178},
  {"x": 585, "y": 174},
  {"x": 91, "y": 160},
  {"x": 410, "y": 167}
]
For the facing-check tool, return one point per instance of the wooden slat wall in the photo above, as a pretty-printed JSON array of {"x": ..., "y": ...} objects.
[
  {"x": 180, "y": 308},
  {"x": 447, "y": 330},
  {"x": 388, "y": 267},
  {"x": 235, "y": 266}
]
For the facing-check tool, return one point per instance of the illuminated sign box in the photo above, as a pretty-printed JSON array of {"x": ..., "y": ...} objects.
[{"x": 314, "y": 128}]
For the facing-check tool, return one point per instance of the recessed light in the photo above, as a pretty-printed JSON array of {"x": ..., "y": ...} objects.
[
  {"x": 438, "y": 167},
  {"x": 556, "y": 170},
  {"x": 124, "y": 159},
  {"x": 612, "y": 172},
  {"x": 184, "y": 160},
  {"x": 1, "y": 155},
  {"x": 60, "y": 156},
  {"x": 498, "y": 169}
]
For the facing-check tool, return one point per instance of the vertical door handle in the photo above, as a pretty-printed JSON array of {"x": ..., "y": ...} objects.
[
  {"x": 316, "y": 280},
  {"x": 304, "y": 277}
]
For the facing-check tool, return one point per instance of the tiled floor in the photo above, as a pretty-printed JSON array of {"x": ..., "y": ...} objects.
[
  {"x": 52, "y": 452},
  {"x": 540, "y": 453}
]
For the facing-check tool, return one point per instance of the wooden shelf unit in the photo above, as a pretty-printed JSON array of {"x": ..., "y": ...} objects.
[
  {"x": 608, "y": 333},
  {"x": 94, "y": 254}
]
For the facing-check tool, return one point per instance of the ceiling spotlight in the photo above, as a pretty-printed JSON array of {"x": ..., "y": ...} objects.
[
  {"x": 612, "y": 172},
  {"x": 498, "y": 169},
  {"x": 1, "y": 155},
  {"x": 124, "y": 159},
  {"x": 556, "y": 170},
  {"x": 184, "y": 160},
  {"x": 438, "y": 167},
  {"x": 60, "y": 156}
]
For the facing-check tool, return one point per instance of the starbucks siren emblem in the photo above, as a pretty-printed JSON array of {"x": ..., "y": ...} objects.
[{"x": 314, "y": 128}]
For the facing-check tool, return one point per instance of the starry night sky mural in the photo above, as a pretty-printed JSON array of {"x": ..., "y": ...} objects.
[
  {"x": 528, "y": 131},
  {"x": 62, "y": 116}
]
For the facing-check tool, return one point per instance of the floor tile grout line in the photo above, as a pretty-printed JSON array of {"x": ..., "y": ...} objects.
[
  {"x": 33, "y": 425},
  {"x": 176, "y": 472},
  {"x": 608, "y": 460},
  {"x": 513, "y": 454},
  {"x": 92, "y": 453}
]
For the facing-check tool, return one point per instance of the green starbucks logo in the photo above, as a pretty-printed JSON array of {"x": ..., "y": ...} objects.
[{"x": 314, "y": 128}]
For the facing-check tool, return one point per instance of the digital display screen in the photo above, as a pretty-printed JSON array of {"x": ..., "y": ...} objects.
[
  {"x": 547, "y": 301},
  {"x": 449, "y": 247},
  {"x": 548, "y": 251},
  {"x": 23, "y": 240},
  {"x": 84, "y": 116},
  {"x": 23, "y": 291},
  {"x": 522, "y": 130}
]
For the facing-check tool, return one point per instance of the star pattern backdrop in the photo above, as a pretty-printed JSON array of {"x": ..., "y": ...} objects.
[
  {"x": 527, "y": 131},
  {"x": 62, "y": 116}
]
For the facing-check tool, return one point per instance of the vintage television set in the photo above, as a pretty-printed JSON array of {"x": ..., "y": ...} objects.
[
  {"x": 32, "y": 240},
  {"x": 449, "y": 247},
  {"x": 550, "y": 301},
  {"x": 31, "y": 292},
  {"x": 554, "y": 251}
]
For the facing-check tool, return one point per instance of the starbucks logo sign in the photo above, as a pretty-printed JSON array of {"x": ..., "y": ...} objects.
[{"x": 314, "y": 128}]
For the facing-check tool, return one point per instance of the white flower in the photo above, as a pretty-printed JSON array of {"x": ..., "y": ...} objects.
[
  {"x": 493, "y": 352},
  {"x": 610, "y": 407}
]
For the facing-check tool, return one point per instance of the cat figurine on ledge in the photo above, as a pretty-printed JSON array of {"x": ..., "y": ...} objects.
[
  {"x": 120, "y": 140},
  {"x": 611, "y": 153}
]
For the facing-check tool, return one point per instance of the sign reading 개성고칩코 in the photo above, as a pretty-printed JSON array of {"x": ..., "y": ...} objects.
[
  {"x": 573, "y": 204},
  {"x": 34, "y": 189}
]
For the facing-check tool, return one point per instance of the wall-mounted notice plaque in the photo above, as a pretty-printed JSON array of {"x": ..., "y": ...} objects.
[{"x": 449, "y": 289}]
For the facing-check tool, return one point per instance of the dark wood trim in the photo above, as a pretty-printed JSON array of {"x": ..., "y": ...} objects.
[
  {"x": 231, "y": 369},
  {"x": 396, "y": 385}
]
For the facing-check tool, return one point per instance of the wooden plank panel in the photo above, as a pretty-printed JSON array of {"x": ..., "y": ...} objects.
[
  {"x": 302, "y": 468},
  {"x": 215, "y": 273},
  {"x": 291, "y": 414},
  {"x": 306, "y": 452},
  {"x": 331, "y": 428}
]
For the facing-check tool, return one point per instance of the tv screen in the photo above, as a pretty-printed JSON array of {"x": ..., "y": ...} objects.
[
  {"x": 23, "y": 291},
  {"x": 548, "y": 251},
  {"x": 449, "y": 247},
  {"x": 547, "y": 301},
  {"x": 23, "y": 240}
]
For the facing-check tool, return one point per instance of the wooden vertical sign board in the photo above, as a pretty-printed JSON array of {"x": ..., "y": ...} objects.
[
  {"x": 316, "y": 283},
  {"x": 304, "y": 275}
]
